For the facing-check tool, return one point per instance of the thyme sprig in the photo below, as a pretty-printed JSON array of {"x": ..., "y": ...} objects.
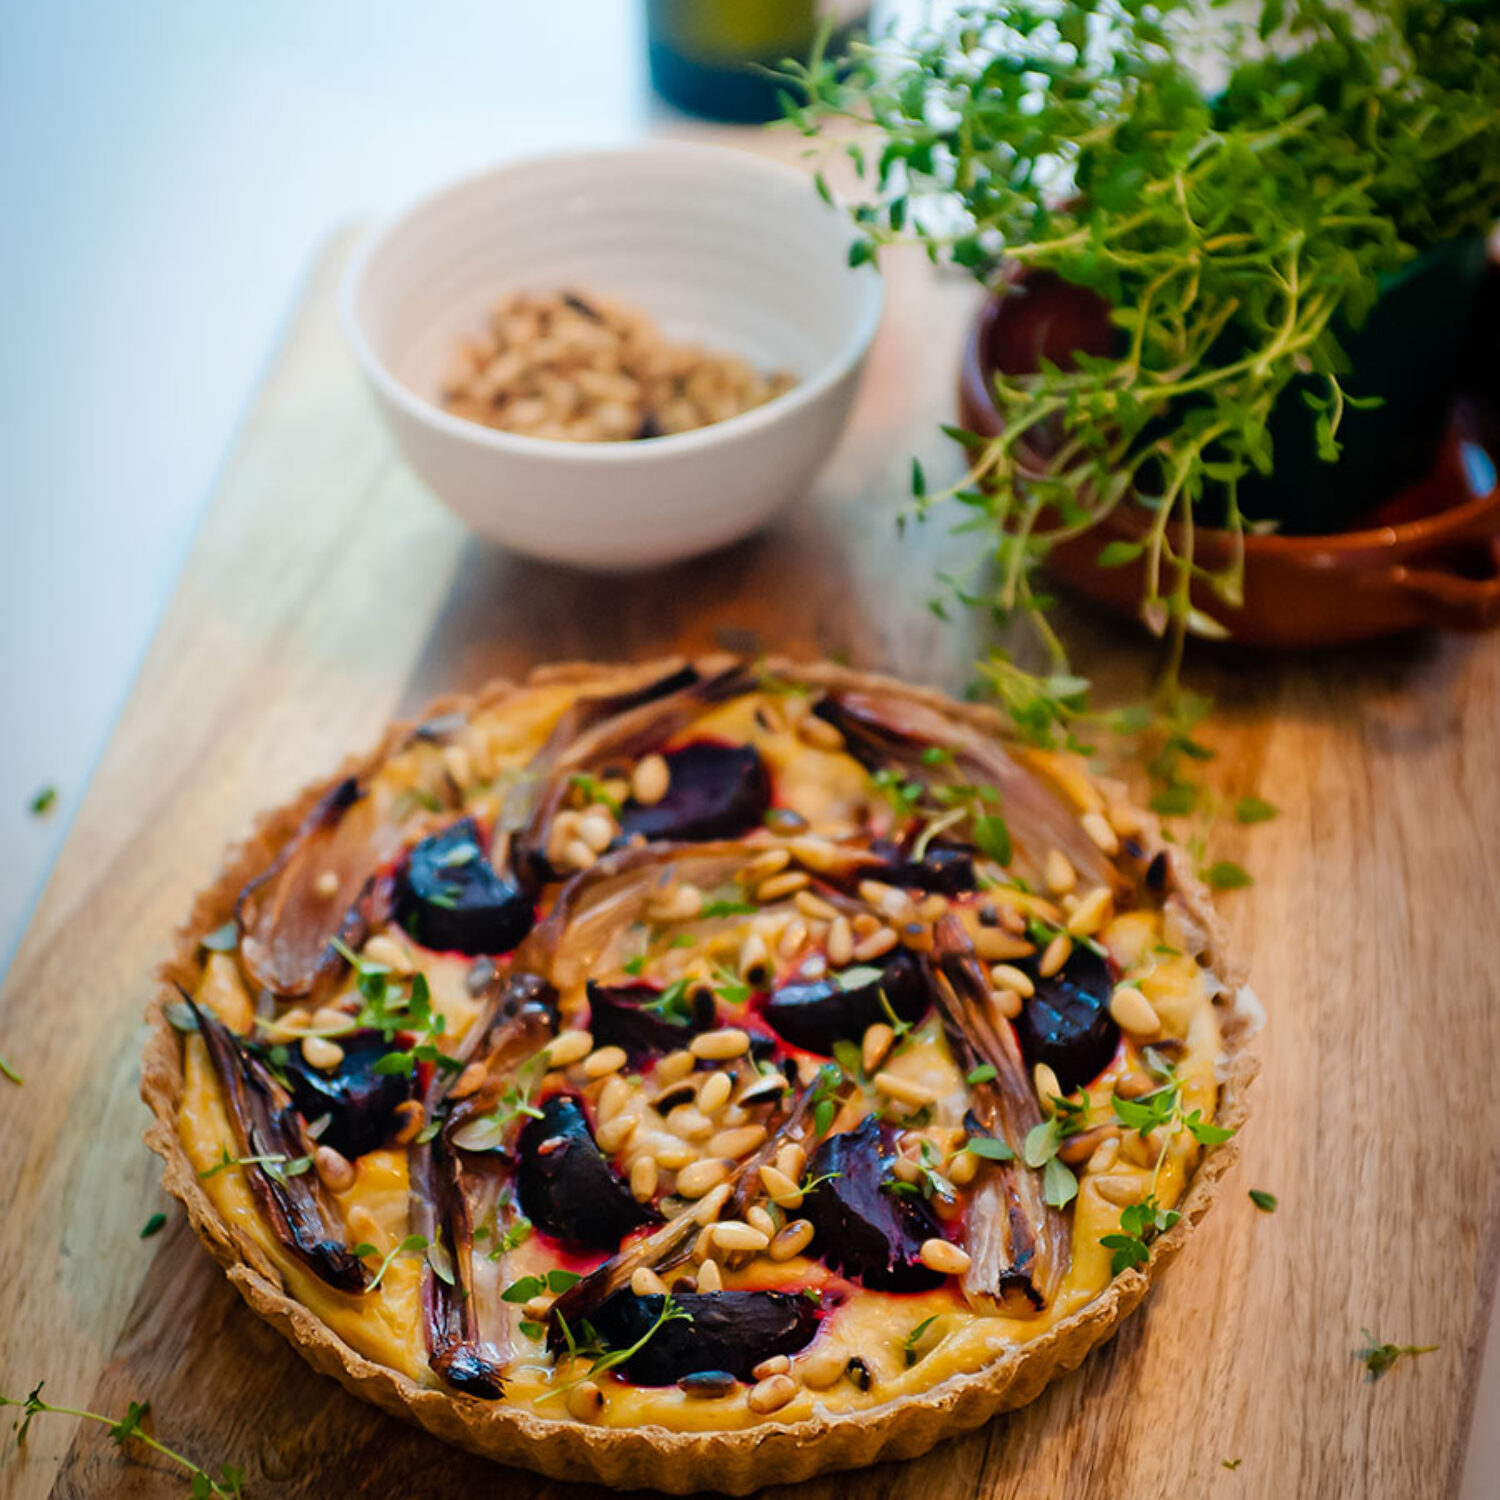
[{"x": 130, "y": 1428}]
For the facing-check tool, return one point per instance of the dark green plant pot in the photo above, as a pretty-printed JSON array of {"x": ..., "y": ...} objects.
[{"x": 1410, "y": 353}]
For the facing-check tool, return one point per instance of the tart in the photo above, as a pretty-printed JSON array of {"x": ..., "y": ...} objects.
[{"x": 697, "y": 1073}]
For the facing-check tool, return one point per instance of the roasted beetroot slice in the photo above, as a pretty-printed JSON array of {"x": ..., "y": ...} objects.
[
  {"x": 730, "y": 1331},
  {"x": 715, "y": 792},
  {"x": 617, "y": 1018},
  {"x": 359, "y": 1103},
  {"x": 864, "y": 1227},
  {"x": 452, "y": 899},
  {"x": 1066, "y": 1023},
  {"x": 815, "y": 1016},
  {"x": 945, "y": 869},
  {"x": 567, "y": 1187}
]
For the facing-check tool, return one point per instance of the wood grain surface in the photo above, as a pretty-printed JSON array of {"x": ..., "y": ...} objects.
[{"x": 326, "y": 592}]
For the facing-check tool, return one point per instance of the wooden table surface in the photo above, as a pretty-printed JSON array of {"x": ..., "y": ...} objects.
[{"x": 326, "y": 592}]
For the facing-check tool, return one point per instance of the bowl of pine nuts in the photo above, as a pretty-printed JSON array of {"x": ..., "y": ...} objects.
[{"x": 615, "y": 359}]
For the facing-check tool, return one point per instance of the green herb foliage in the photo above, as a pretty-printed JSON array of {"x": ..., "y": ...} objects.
[
  {"x": 1264, "y": 1201},
  {"x": 1232, "y": 234},
  {"x": 201, "y": 1484},
  {"x": 1377, "y": 1358},
  {"x": 154, "y": 1225},
  {"x": 413, "y": 1244}
]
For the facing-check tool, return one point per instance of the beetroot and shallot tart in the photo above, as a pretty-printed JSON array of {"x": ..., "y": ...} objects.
[{"x": 696, "y": 1073}]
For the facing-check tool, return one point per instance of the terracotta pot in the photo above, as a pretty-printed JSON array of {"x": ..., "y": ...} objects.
[{"x": 1430, "y": 556}]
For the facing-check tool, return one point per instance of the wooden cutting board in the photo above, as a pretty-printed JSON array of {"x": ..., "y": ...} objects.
[{"x": 326, "y": 592}]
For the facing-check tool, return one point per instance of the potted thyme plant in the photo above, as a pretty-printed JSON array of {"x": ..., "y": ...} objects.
[{"x": 1282, "y": 242}]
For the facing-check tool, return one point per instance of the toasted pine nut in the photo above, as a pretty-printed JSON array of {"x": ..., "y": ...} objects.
[
  {"x": 612, "y": 1097},
  {"x": 604, "y": 1061},
  {"x": 709, "y": 1277},
  {"x": 944, "y": 1256},
  {"x": 818, "y": 855},
  {"x": 469, "y": 1081},
  {"x": 690, "y": 1123},
  {"x": 782, "y": 1190},
  {"x": 597, "y": 830},
  {"x": 1044, "y": 1081},
  {"x": 1055, "y": 955},
  {"x": 755, "y": 959},
  {"x": 720, "y": 1046},
  {"x": 738, "y": 1142},
  {"x": 650, "y": 780},
  {"x": 1092, "y": 912},
  {"x": 1009, "y": 977},
  {"x": 334, "y": 1169},
  {"x": 877, "y": 1041},
  {"x": 791, "y": 1160},
  {"x": 1077, "y": 1149},
  {"x": 1133, "y": 1012},
  {"x": 840, "y": 945},
  {"x": 585, "y": 1401},
  {"x": 384, "y": 950},
  {"x": 793, "y": 936},
  {"x": 695, "y": 1180},
  {"x": 613, "y": 1134},
  {"x": 576, "y": 855},
  {"x": 777, "y": 886},
  {"x": 822, "y": 1368},
  {"x": 877, "y": 945},
  {"x": 792, "y": 1239},
  {"x": 1134, "y": 1083},
  {"x": 904, "y": 1090},
  {"x": 733, "y": 1234},
  {"x": 815, "y": 907},
  {"x": 711, "y": 1204},
  {"x": 331, "y": 1018},
  {"x": 643, "y": 1178},
  {"x": 1119, "y": 1188},
  {"x": 763, "y": 866},
  {"x": 1007, "y": 1003},
  {"x": 675, "y": 1155},
  {"x": 1104, "y": 1157},
  {"x": 757, "y": 1218},
  {"x": 714, "y": 1094},
  {"x": 962, "y": 1169},
  {"x": 322, "y": 1054},
  {"x": 771, "y": 1394},
  {"x": 992, "y": 943},
  {"x": 644, "y": 1282},
  {"x": 1096, "y": 825},
  {"x": 778, "y": 1364},
  {"x": 1059, "y": 873},
  {"x": 569, "y": 1047},
  {"x": 675, "y": 1065}
]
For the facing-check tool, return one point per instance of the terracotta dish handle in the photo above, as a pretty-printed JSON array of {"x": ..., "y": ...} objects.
[{"x": 1454, "y": 599}]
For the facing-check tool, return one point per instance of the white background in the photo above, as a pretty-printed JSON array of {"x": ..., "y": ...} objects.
[{"x": 168, "y": 170}]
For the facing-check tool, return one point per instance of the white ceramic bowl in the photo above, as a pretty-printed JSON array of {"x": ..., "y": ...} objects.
[{"x": 721, "y": 247}]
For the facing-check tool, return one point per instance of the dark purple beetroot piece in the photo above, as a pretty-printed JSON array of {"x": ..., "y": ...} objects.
[
  {"x": 715, "y": 792},
  {"x": 816, "y": 1015},
  {"x": 358, "y": 1101},
  {"x": 944, "y": 868},
  {"x": 864, "y": 1228},
  {"x": 730, "y": 1331},
  {"x": 451, "y": 898},
  {"x": 567, "y": 1188},
  {"x": 1066, "y": 1023},
  {"x": 619, "y": 1017}
]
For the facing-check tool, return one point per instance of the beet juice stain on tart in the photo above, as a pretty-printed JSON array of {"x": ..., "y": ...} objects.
[{"x": 697, "y": 1073}]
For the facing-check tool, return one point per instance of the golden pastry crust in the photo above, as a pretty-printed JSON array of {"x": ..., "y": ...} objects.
[{"x": 733, "y": 1462}]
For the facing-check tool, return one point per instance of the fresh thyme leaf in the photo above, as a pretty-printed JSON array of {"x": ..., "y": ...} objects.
[
  {"x": 1059, "y": 1184},
  {"x": 912, "y": 1339},
  {"x": 42, "y": 802},
  {"x": 14, "y": 1076},
  {"x": 413, "y": 1244},
  {"x": 857, "y": 977},
  {"x": 537, "y": 1331},
  {"x": 524, "y": 1289},
  {"x": 592, "y": 790},
  {"x": 1225, "y": 875},
  {"x": 154, "y": 1225},
  {"x": 847, "y": 1055},
  {"x": 1264, "y": 1201},
  {"x": 991, "y": 1147},
  {"x": 993, "y": 837},
  {"x": 729, "y": 987},
  {"x": 1377, "y": 1358},
  {"x": 1254, "y": 810},
  {"x": 982, "y": 1074},
  {"x": 728, "y": 909},
  {"x": 1230, "y": 1463},
  {"x": 823, "y": 1113},
  {"x": 635, "y": 966},
  {"x": 1176, "y": 800},
  {"x": 671, "y": 1312}
]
